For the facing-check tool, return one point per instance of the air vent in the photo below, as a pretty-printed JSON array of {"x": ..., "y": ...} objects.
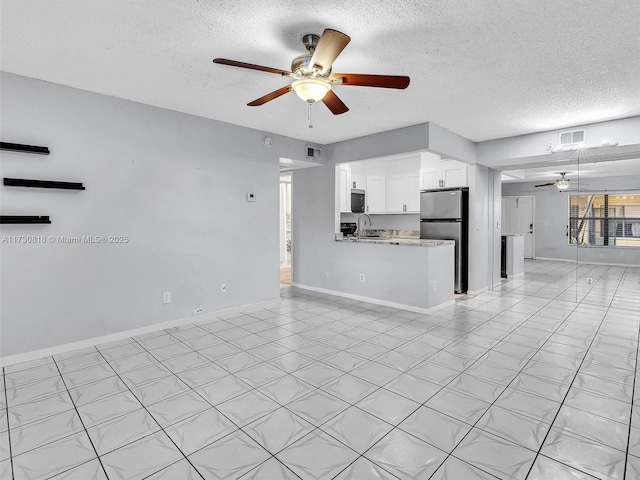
[
  {"x": 314, "y": 153},
  {"x": 573, "y": 137}
]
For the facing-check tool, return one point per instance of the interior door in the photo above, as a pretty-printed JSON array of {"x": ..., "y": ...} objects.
[{"x": 518, "y": 217}]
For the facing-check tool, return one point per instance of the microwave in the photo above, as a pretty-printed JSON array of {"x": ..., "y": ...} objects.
[{"x": 357, "y": 200}]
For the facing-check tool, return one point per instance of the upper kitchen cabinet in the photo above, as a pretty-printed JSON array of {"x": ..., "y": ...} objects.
[
  {"x": 436, "y": 173},
  {"x": 359, "y": 175},
  {"x": 375, "y": 194},
  {"x": 403, "y": 186},
  {"x": 344, "y": 172},
  {"x": 430, "y": 178},
  {"x": 390, "y": 185},
  {"x": 454, "y": 174}
]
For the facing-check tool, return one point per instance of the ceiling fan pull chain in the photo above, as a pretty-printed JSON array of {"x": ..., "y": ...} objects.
[{"x": 310, "y": 123}]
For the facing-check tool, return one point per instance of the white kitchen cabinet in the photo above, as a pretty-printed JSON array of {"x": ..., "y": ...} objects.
[
  {"x": 344, "y": 171},
  {"x": 375, "y": 196},
  {"x": 403, "y": 186},
  {"x": 413, "y": 193},
  {"x": 359, "y": 175},
  {"x": 454, "y": 174},
  {"x": 358, "y": 182},
  {"x": 403, "y": 193},
  {"x": 444, "y": 174},
  {"x": 430, "y": 178},
  {"x": 394, "y": 194}
]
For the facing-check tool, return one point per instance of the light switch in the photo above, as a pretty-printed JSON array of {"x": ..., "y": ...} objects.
[
  {"x": 498, "y": 226},
  {"x": 251, "y": 197}
]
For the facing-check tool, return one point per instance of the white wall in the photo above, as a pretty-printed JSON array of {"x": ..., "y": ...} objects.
[
  {"x": 450, "y": 144},
  {"x": 495, "y": 216},
  {"x": 174, "y": 184},
  {"x": 551, "y": 220},
  {"x": 478, "y": 227}
]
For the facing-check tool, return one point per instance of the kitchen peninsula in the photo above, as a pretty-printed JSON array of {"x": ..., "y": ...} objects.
[
  {"x": 378, "y": 254},
  {"x": 408, "y": 272}
]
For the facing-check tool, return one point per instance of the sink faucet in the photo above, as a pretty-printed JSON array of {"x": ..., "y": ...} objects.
[{"x": 366, "y": 215}]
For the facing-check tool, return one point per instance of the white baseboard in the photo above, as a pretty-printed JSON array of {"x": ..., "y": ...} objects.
[
  {"x": 90, "y": 342},
  {"x": 555, "y": 259},
  {"x": 376, "y": 301},
  {"x": 477, "y": 292},
  {"x": 609, "y": 264}
]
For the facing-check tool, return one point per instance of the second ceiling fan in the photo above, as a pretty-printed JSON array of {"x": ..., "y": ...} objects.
[
  {"x": 562, "y": 183},
  {"x": 312, "y": 76}
]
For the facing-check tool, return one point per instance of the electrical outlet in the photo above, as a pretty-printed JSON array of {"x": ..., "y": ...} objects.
[
  {"x": 325, "y": 276},
  {"x": 589, "y": 281},
  {"x": 166, "y": 297},
  {"x": 362, "y": 278},
  {"x": 197, "y": 311},
  {"x": 550, "y": 146},
  {"x": 435, "y": 286},
  {"x": 223, "y": 288}
]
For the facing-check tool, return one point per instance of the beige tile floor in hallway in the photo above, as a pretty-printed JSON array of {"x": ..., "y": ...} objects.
[{"x": 534, "y": 381}]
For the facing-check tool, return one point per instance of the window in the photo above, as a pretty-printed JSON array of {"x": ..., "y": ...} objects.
[{"x": 603, "y": 220}]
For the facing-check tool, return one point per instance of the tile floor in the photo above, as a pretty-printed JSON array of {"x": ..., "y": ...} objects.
[{"x": 536, "y": 381}]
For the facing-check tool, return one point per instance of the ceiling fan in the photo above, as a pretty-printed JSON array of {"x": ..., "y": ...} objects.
[
  {"x": 562, "y": 183},
  {"x": 312, "y": 77}
]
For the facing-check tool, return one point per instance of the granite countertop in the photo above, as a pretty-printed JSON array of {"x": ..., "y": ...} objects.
[
  {"x": 395, "y": 237},
  {"x": 414, "y": 242}
]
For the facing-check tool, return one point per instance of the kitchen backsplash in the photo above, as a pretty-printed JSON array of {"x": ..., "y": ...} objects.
[
  {"x": 389, "y": 222},
  {"x": 391, "y": 233}
]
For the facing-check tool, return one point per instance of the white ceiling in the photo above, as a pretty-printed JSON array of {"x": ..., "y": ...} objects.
[
  {"x": 582, "y": 171},
  {"x": 481, "y": 69}
]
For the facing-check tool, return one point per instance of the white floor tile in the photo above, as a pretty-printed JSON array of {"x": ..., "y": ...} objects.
[{"x": 534, "y": 379}]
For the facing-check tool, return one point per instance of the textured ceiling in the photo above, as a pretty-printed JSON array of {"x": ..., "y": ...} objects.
[
  {"x": 575, "y": 171},
  {"x": 481, "y": 69}
]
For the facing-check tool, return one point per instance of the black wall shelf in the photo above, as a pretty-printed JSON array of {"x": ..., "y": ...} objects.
[
  {"x": 24, "y": 182},
  {"x": 19, "y": 147},
  {"x": 24, "y": 219}
]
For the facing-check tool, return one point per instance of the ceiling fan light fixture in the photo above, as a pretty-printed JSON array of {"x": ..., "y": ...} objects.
[
  {"x": 562, "y": 184},
  {"x": 311, "y": 90}
]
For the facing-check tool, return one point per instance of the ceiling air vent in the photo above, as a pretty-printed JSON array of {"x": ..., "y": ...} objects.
[
  {"x": 573, "y": 137},
  {"x": 314, "y": 153}
]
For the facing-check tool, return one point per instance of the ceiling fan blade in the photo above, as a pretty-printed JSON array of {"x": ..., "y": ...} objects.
[
  {"x": 545, "y": 184},
  {"x": 331, "y": 43},
  {"x": 333, "y": 102},
  {"x": 364, "y": 80},
  {"x": 270, "y": 96},
  {"x": 233, "y": 63}
]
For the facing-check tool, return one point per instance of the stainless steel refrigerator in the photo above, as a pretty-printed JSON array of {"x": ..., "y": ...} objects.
[{"x": 444, "y": 216}]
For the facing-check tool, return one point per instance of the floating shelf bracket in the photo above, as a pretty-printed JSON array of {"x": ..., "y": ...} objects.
[
  {"x": 24, "y": 182},
  {"x": 24, "y": 219},
  {"x": 19, "y": 147}
]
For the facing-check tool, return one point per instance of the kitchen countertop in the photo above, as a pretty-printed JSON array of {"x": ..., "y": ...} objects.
[{"x": 411, "y": 242}]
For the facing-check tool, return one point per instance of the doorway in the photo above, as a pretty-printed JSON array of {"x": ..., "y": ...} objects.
[
  {"x": 285, "y": 229},
  {"x": 518, "y": 216}
]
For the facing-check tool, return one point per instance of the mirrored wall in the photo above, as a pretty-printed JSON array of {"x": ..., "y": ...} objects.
[{"x": 580, "y": 217}]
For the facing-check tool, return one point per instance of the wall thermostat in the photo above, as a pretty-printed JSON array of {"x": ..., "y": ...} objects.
[
  {"x": 267, "y": 142},
  {"x": 251, "y": 197}
]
